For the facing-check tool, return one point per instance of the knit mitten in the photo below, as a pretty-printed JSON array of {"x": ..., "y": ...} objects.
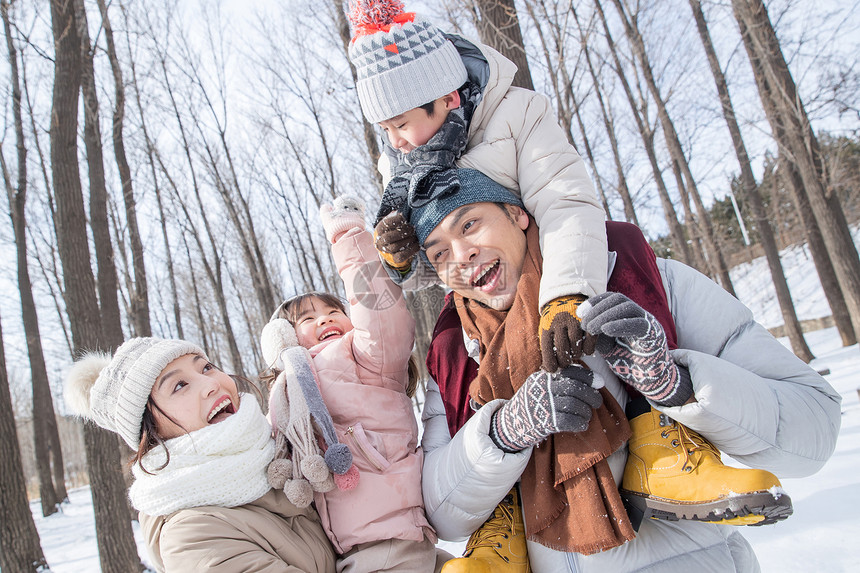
[
  {"x": 396, "y": 241},
  {"x": 546, "y": 404},
  {"x": 345, "y": 213},
  {"x": 562, "y": 339},
  {"x": 634, "y": 345}
]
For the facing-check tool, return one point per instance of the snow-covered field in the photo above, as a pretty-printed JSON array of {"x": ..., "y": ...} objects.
[{"x": 822, "y": 535}]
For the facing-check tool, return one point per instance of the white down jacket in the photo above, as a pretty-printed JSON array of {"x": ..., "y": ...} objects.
[
  {"x": 755, "y": 400},
  {"x": 515, "y": 139}
]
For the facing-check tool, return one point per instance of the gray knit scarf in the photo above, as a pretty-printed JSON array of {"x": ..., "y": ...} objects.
[{"x": 428, "y": 171}]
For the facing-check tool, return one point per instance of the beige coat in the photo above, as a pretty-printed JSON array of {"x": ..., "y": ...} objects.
[
  {"x": 515, "y": 139},
  {"x": 268, "y": 535}
]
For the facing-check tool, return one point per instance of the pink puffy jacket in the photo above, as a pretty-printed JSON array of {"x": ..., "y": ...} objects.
[{"x": 362, "y": 378}]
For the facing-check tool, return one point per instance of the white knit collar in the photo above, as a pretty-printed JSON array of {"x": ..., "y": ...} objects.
[{"x": 223, "y": 464}]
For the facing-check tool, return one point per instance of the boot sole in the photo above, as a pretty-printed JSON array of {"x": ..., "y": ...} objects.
[{"x": 735, "y": 510}]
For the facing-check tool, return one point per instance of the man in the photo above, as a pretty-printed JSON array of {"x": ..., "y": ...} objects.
[{"x": 562, "y": 439}]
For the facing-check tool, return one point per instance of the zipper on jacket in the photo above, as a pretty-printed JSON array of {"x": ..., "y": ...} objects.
[{"x": 351, "y": 431}]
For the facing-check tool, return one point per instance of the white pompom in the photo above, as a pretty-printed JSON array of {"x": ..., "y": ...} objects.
[
  {"x": 347, "y": 204},
  {"x": 80, "y": 380},
  {"x": 277, "y": 335}
]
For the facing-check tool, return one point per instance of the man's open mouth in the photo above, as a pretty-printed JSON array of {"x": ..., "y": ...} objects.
[{"x": 487, "y": 275}]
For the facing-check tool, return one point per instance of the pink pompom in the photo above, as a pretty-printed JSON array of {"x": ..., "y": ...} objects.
[{"x": 347, "y": 481}]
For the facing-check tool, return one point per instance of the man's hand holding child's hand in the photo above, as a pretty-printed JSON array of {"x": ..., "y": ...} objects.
[
  {"x": 562, "y": 338},
  {"x": 545, "y": 404}
]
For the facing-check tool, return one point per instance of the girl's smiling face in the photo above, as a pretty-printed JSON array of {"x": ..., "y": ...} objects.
[
  {"x": 319, "y": 321},
  {"x": 190, "y": 394}
]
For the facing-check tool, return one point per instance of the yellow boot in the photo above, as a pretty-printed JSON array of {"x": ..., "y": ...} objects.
[
  {"x": 674, "y": 473},
  {"x": 499, "y": 545}
]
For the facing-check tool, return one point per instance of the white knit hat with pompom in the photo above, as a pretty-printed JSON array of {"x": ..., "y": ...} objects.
[{"x": 113, "y": 391}]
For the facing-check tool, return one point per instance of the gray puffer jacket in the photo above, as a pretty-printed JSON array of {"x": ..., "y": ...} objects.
[{"x": 756, "y": 402}]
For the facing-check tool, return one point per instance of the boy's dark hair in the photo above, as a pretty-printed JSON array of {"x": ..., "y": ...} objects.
[{"x": 429, "y": 107}]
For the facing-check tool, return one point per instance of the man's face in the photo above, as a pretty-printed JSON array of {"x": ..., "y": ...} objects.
[
  {"x": 478, "y": 251},
  {"x": 415, "y": 127}
]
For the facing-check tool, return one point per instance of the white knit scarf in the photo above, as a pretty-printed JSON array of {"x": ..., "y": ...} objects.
[{"x": 223, "y": 464}]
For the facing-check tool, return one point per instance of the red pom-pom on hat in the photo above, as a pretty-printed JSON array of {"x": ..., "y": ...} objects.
[{"x": 371, "y": 16}]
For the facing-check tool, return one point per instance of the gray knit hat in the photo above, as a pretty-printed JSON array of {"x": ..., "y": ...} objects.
[
  {"x": 474, "y": 187},
  {"x": 113, "y": 392},
  {"x": 402, "y": 61}
]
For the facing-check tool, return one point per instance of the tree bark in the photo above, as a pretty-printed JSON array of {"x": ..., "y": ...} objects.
[
  {"x": 499, "y": 28},
  {"x": 139, "y": 303},
  {"x": 43, "y": 405},
  {"x": 676, "y": 231},
  {"x": 20, "y": 548},
  {"x": 797, "y": 143},
  {"x": 623, "y": 189},
  {"x": 117, "y": 549},
  {"x": 750, "y": 189},
  {"x": 676, "y": 150}
]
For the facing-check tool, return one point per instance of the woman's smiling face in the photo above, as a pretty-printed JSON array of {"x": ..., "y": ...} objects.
[{"x": 190, "y": 394}]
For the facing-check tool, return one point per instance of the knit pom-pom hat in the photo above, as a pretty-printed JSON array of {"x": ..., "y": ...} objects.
[
  {"x": 402, "y": 61},
  {"x": 113, "y": 391}
]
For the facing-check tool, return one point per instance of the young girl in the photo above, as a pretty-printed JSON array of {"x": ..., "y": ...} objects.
[
  {"x": 202, "y": 449},
  {"x": 362, "y": 361}
]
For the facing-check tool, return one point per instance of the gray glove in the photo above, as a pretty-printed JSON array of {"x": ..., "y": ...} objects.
[
  {"x": 545, "y": 404},
  {"x": 634, "y": 345}
]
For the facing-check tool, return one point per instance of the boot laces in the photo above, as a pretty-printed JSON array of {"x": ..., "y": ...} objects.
[
  {"x": 501, "y": 524},
  {"x": 690, "y": 440}
]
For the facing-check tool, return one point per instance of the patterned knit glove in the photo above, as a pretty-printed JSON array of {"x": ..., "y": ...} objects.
[
  {"x": 545, "y": 404},
  {"x": 634, "y": 344},
  {"x": 396, "y": 241},
  {"x": 346, "y": 213},
  {"x": 562, "y": 339}
]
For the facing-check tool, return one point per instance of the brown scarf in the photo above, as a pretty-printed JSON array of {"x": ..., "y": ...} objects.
[{"x": 570, "y": 500}]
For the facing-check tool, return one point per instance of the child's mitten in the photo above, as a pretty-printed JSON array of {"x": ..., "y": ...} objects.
[
  {"x": 634, "y": 345},
  {"x": 562, "y": 339},
  {"x": 546, "y": 404},
  {"x": 396, "y": 241},
  {"x": 346, "y": 213}
]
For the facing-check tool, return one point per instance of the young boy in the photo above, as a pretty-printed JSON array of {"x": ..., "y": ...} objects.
[
  {"x": 443, "y": 101},
  {"x": 564, "y": 441}
]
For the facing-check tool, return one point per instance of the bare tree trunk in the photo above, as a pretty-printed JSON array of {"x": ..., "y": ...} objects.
[
  {"x": 798, "y": 144},
  {"x": 750, "y": 188},
  {"x": 43, "y": 405},
  {"x": 112, "y": 334},
  {"x": 177, "y": 315},
  {"x": 675, "y": 149},
  {"x": 499, "y": 28},
  {"x": 20, "y": 548},
  {"x": 139, "y": 298},
  {"x": 117, "y": 549},
  {"x": 567, "y": 104},
  {"x": 623, "y": 189},
  {"x": 676, "y": 231},
  {"x": 370, "y": 135}
]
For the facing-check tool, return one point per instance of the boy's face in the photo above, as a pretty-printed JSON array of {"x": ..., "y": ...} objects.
[
  {"x": 415, "y": 127},
  {"x": 478, "y": 251}
]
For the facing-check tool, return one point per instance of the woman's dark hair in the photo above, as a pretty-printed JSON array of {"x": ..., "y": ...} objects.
[{"x": 149, "y": 438}]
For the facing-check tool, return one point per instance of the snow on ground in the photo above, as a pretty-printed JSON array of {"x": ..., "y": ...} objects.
[{"x": 821, "y": 535}]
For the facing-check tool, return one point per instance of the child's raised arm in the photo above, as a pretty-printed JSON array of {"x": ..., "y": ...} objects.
[{"x": 384, "y": 328}]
